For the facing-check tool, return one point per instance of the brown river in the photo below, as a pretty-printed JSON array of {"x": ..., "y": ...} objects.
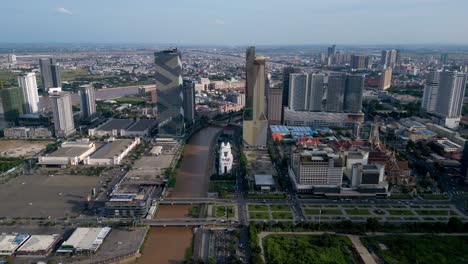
[{"x": 168, "y": 244}]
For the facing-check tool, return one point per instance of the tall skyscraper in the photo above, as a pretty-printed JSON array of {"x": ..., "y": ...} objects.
[
  {"x": 189, "y": 101},
  {"x": 275, "y": 96},
  {"x": 255, "y": 121},
  {"x": 335, "y": 93},
  {"x": 332, "y": 51},
  {"x": 390, "y": 58},
  {"x": 444, "y": 58},
  {"x": 450, "y": 102},
  {"x": 12, "y": 103},
  {"x": 28, "y": 85},
  {"x": 353, "y": 93},
  {"x": 358, "y": 62},
  {"x": 169, "y": 93},
  {"x": 431, "y": 90},
  {"x": 315, "y": 92},
  {"x": 50, "y": 73},
  {"x": 385, "y": 79},
  {"x": 286, "y": 76},
  {"x": 87, "y": 101},
  {"x": 63, "y": 114},
  {"x": 297, "y": 91}
]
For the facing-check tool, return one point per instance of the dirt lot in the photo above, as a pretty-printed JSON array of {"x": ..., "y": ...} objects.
[
  {"x": 40, "y": 195},
  {"x": 17, "y": 148}
]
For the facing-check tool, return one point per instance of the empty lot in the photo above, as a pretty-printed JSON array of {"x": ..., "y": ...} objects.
[{"x": 17, "y": 148}]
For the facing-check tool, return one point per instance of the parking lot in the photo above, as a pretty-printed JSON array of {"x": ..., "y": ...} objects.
[{"x": 41, "y": 195}]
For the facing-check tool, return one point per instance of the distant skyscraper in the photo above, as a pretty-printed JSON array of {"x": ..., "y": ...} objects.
[
  {"x": 87, "y": 101},
  {"x": 444, "y": 58},
  {"x": 63, "y": 114},
  {"x": 189, "y": 101},
  {"x": 390, "y": 58},
  {"x": 12, "y": 58},
  {"x": 332, "y": 51},
  {"x": 28, "y": 85},
  {"x": 297, "y": 91},
  {"x": 50, "y": 73},
  {"x": 353, "y": 93},
  {"x": 450, "y": 101},
  {"x": 315, "y": 92},
  {"x": 169, "y": 92},
  {"x": 286, "y": 75},
  {"x": 12, "y": 103},
  {"x": 431, "y": 90},
  {"x": 274, "y": 105},
  {"x": 385, "y": 79},
  {"x": 335, "y": 93},
  {"x": 358, "y": 62},
  {"x": 255, "y": 122}
]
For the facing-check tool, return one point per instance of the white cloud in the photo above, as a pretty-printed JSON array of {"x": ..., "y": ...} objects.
[
  {"x": 63, "y": 10},
  {"x": 219, "y": 22}
]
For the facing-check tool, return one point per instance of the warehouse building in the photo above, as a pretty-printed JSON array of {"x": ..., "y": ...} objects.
[
  {"x": 113, "y": 152},
  {"x": 9, "y": 243},
  {"x": 141, "y": 128},
  {"x": 84, "y": 239},
  {"x": 70, "y": 153},
  {"x": 113, "y": 127},
  {"x": 39, "y": 245}
]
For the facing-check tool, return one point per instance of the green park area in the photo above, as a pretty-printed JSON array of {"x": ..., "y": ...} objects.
[
  {"x": 297, "y": 249},
  {"x": 130, "y": 100},
  {"x": 259, "y": 215},
  {"x": 258, "y": 207},
  {"x": 223, "y": 211},
  {"x": 279, "y": 207},
  {"x": 282, "y": 215},
  {"x": 401, "y": 249}
]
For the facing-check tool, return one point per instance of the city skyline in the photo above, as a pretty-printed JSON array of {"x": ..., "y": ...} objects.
[{"x": 405, "y": 22}]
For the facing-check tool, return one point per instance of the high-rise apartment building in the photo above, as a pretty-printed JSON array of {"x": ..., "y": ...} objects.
[
  {"x": 63, "y": 114},
  {"x": 87, "y": 101},
  {"x": 275, "y": 96},
  {"x": 297, "y": 91},
  {"x": 385, "y": 79},
  {"x": 189, "y": 101},
  {"x": 286, "y": 80},
  {"x": 431, "y": 90},
  {"x": 28, "y": 85},
  {"x": 169, "y": 92},
  {"x": 50, "y": 73},
  {"x": 335, "y": 93},
  {"x": 12, "y": 103},
  {"x": 390, "y": 58},
  {"x": 315, "y": 92},
  {"x": 12, "y": 58},
  {"x": 353, "y": 93},
  {"x": 255, "y": 121},
  {"x": 358, "y": 62}
]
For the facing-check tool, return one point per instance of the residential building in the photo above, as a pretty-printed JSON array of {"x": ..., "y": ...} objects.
[
  {"x": 286, "y": 79},
  {"x": 169, "y": 93},
  {"x": 189, "y": 101},
  {"x": 353, "y": 93},
  {"x": 450, "y": 102},
  {"x": 28, "y": 85},
  {"x": 358, "y": 62},
  {"x": 255, "y": 121},
  {"x": 11, "y": 58},
  {"x": 385, "y": 79},
  {"x": 63, "y": 114},
  {"x": 315, "y": 92},
  {"x": 50, "y": 73},
  {"x": 87, "y": 101},
  {"x": 335, "y": 93},
  {"x": 275, "y": 96},
  {"x": 390, "y": 58},
  {"x": 431, "y": 90},
  {"x": 297, "y": 91},
  {"x": 12, "y": 103},
  {"x": 225, "y": 158}
]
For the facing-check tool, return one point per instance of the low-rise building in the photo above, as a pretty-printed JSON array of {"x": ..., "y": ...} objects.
[
  {"x": 84, "y": 239},
  {"x": 70, "y": 153},
  {"x": 264, "y": 183},
  {"x": 113, "y": 152},
  {"x": 448, "y": 146},
  {"x": 321, "y": 119},
  {"x": 27, "y": 132},
  {"x": 39, "y": 245},
  {"x": 225, "y": 158},
  {"x": 141, "y": 128},
  {"x": 113, "y": 127},
  {"x": 369, "y": 179},
  {"x": 9, "y": 243}
]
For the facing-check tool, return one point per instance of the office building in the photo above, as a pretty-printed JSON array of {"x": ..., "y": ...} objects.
[
  {"x": 63, "y": 114},
  {"x": 189, "y": 101},
  {"x": 169, "y": 93},
  {"x": 50, "y": 73},
  {"x": 385, "y": 79},
  {"x": 255, "y": 122},
  {"x": 390, "y": 58},
  {"x": 236, "y": 98},
  {"x": 358, "y": 62},
  {"x": 369, "y": 179},
  {"x": 431, "y": 90},
  {"x": 450, "y": 102},
  {"x": 87, "y": 101},
  {"x": 225, "y": 158},
  {"x": 11, "y": 58},
  {"x": 353, "y": 93},
  {"x": 12, "y": 103},
  {"x": 297, "y": 91},
  {"x": 335, "y": 93},
  {"x": 275, "y": 96},
  {"x": 444, "y": 58},
  {"x": 332, "y": 51},
  {"x": 28, "y": 85},
  {"x": 315, "y": 92}
]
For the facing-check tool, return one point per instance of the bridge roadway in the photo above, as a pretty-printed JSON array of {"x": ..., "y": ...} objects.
[{"x": 188, "y": 222}]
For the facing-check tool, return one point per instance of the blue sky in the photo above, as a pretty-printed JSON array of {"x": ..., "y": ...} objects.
[{"x": 236, "y": 22}]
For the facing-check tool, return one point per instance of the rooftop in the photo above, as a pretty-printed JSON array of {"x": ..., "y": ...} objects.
[
  {"x": 112, "y": 149},
  {"x": 9, "y": 242},
  {"x": 263, "y": 179},
  {"x": 116, "y": 124},
  {"x": 39, "y": 242},
  {"x": 68, "y": 152},
  {"x": 86, "y": 238},
  {"x": 143, "y": 124}
]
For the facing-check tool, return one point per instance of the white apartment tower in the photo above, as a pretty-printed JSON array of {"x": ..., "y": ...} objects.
[
  {"x": 63, "y": 114},
  {"x": 225, "y": 158},
  {"x": 87, "y": 101},
  {"x": 28, "y": 85}
]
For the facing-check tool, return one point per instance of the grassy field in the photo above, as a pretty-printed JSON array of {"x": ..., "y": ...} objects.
[
  {"x": 258, "y": 207},
  {"x": 402, "y": 249},
  {"x": 358, "y": 212},
  {"x": 259, "y": 215},
  {"x": 279, "y": 207},
  {"x": 285, "y": 249},
  {"x": 220, "y": 211},
  {"x": 324, "y": 211},
  {"x": 432, "y": 212},
  {"x": 282, "y": 215},
  {"x": 400, "y": 212}
]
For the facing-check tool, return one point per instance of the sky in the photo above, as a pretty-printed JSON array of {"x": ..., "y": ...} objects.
[{"x": 235, "y": 22}]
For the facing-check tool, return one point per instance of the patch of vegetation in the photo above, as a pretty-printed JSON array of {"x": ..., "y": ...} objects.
[
  {"x": 226, "y": 186},
  {"x": 400, "y": 212},
  {"x": 358, "y": 212},
  {"x": 279, "y": 207},
  {"x": 259, "y": 215},
  {"x": 418, "y": 249},
  {"x": 258, "y": 207},
  {"x": 7, "y": 163},
  {"x": 130, "y": 100},
  {"x": 220, "y": 211},
  {"x": 282, "y": 215},
  {"x": 308, "y": 249},
  {"x": 266, "y": 196},
  {"x": 194, "y": 211},
  {"x": 432, "y": 212}
]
